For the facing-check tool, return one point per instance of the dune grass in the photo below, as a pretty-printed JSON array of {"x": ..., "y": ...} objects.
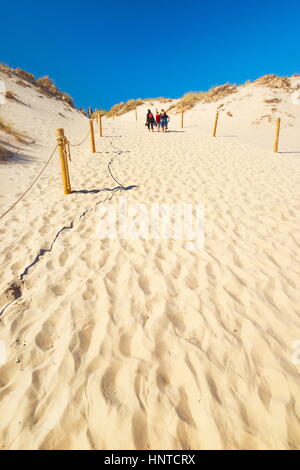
[
  {"x": 11, "y": 96},
  {"x": 273, "y": 81},
  {"x": 161, "y": 99},
  {"x": 189, "y": 100},
  {"x": 29, "y": 77},
  {"x": 273, "y": 100},
  {"x": 44, "y": 84},
  {"x": 122, "y": 108},
  {"x": 47, "y": 85}
]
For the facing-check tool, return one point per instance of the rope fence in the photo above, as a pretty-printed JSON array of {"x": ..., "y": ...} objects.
[
  {"x": 82, "y": 142},
  {"x": 63, "y": 145},
  {"x": 28, "y": 189}
]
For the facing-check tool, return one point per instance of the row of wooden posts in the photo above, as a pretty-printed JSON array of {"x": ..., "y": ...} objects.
[
  {"x": 62, "y": 143},
  {"x": 277, "y": 130}
]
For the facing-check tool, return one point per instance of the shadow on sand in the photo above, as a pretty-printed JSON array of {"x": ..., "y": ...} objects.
[
  {"x": 95, "y": 191},
  {"x": 289, "y": 153},
  {"x": 110, "y": 136},
  {"x": 177, "y": 132},
  {"x": 9, "y": 156}
]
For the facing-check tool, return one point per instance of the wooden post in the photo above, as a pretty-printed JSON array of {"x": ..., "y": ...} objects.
[
  {"x": 135, "y": 114},
  {"x": 277, "y": 135},
  {"x": 216, "y": 123},
  {"x": 63, "y": 161},
  {"x": 93, "y": 148},
  {"x": 67, "y": 166},
  {"x": 113, "y": 117},
  {"x": 182, "y": 119},
  {"x": 100, "y": 123}
]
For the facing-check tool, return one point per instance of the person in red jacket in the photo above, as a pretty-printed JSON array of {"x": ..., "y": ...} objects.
[{"x": 157, "y": 118}]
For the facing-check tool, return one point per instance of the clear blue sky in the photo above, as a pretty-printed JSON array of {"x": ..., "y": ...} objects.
[{"x": 103, "y": 52}]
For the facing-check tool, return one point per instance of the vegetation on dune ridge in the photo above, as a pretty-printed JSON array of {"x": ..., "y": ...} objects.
[
  {"x": 214, "y": 94},
  {"x": 189, "y": 100},
  {"x": 44, "y": 84},
  {"x": 274, "y": 81},
  {"x": 47, "y": 87},
  {"x": 122, "y": 108},
  {"x": 161, "y": 99},
  {"x": 130, "y": 105}
]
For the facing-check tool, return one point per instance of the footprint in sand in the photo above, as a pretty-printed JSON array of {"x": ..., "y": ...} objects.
[
  {"x": 89, "y": 293},
  {"x": 140, "y": 430},
  {"x": 58, "y": 290},
  {"x": 108, "y": 385},
  {"x": 63, "y": 258}
]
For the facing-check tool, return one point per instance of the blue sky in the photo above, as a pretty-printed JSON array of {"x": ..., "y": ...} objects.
[{"x": 104, "y": 52}]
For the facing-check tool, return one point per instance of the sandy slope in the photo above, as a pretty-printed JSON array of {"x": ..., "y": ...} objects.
[{"x": 143, "y": 344}]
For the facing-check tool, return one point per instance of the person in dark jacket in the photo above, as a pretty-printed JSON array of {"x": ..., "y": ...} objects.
[
  {"x": 150, "y": 120},
  {"x": 164, "y": 120}
]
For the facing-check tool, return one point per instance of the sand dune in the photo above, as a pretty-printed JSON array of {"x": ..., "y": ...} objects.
[{"x": 142, "y": 344}]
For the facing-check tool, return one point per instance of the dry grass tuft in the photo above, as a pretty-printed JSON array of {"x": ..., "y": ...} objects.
[
  {"x": 165, "y": 100},
  {"x": 273, "y": 81},
  {"x": 23, "y": 84},
  {"x": 161, "y": 99},
  {"x": 189, "y": 100},
  {"x": 5, "y": 127},
  {"x": 67, "y": 98},
  {"x": 6, "y": 70},
  {"x": 44, "y": 84},
  {"x": 10, "y": 96},
  {"x": 47, "y": 86},
  {"x": 273, "y": 101},
  {"x": 266, "y": 117},
  {"x": 122, "y": 108},
  {"x": 219, "y": 92},
  {"x": 8, "y": 129},
  {"x": 29, "y": 77}
]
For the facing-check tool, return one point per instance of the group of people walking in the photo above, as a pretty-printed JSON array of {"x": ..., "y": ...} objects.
[{"x": 160, "y": 121}]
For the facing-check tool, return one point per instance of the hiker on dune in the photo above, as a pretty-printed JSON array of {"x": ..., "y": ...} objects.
[
  {"x": 164, "y": 120},
  {"x": 150, "y": 120},
  {"x": 157, "y": 118}
]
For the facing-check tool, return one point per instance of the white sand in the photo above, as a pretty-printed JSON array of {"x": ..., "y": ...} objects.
[{"x": 143, "y": 344}]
